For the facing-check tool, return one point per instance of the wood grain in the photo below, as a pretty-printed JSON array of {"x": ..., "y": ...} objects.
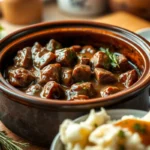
[{"x": 125, "y": 20}]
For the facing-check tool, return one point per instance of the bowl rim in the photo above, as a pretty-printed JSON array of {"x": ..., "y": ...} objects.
[
  {"x": 110, "y": 112},
  {"x": 24, "y": 98},
  {"x": 143, "y": 30}
]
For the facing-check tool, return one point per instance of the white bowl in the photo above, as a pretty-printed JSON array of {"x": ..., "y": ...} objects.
[
  {"x": 144, "y": 33},
  {"x": 2, "y": 34},
  {"x": 115, "y": 114}
]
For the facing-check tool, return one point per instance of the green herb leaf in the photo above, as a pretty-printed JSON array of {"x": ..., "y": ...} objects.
[
  {"x": 103, "y": 50},
  {"x": 112, "y": 57},
  {"x": 121, "y": 134},
  {"x": 10, "y": 144},
  {"x": 139, "y": 128}
]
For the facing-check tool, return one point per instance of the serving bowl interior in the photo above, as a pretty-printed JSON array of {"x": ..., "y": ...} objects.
[
  {"x": 33, "y": 117},
  {"x": 78, "y": 33},
  {"x": 114, "y": 114}
]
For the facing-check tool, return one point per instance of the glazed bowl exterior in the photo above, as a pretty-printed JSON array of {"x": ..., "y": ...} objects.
[{"x": 38, "y": 119}]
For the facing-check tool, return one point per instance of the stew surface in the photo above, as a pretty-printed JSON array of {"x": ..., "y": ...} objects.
[{"x": 72, "y": 73}]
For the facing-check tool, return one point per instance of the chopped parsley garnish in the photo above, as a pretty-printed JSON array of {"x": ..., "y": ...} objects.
[
  {"x": 139, "y": 128},
  {"x": 112, "y": 57},
  {"x": 121, "y": 134}
]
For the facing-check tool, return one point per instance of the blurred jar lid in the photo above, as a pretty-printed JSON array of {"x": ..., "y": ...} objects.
[{"x": 82, "y": 7}]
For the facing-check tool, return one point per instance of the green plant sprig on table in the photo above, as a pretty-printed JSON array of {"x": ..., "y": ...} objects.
[
  {"x": 112, "y": 57},
  {"x": 9, "y": 144}
]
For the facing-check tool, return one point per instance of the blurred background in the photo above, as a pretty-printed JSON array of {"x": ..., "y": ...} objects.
[{"x": 15, "y": 14}]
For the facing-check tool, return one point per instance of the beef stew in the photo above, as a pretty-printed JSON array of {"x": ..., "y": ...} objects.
[{"x": 78, "y": 72}]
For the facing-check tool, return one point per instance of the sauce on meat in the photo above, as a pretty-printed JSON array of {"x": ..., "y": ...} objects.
[{"x": 73, "y": 73}]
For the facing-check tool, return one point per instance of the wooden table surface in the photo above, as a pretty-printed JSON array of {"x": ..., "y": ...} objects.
[
  {"x": 125, "y": 20},
  {"x": 121, "y": 19}
]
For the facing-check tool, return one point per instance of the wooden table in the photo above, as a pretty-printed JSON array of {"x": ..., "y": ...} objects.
[{"x": 51, "y": 13}]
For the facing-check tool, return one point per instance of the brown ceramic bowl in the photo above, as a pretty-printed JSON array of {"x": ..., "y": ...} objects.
[{"x": 38, "y": 119}]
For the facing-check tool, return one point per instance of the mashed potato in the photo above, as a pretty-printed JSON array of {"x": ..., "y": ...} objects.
[{"x": 98, "y": 132}]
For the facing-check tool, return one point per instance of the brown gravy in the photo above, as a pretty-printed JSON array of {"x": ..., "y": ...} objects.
[
  {"x": 139, "y": 126},
  {"x": 78, "y": 72}
]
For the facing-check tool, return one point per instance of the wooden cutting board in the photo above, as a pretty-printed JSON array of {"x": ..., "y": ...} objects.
[{"x": 121, "y": 19}]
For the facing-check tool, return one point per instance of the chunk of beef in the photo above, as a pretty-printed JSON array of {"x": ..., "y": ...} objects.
[
  {"x": 84, "y": 61},
  {"x": 34, "y": 89},
  {"x": 128, "y": 78},
  {"x": 81, "y": 73},
  {"x": 66, "y": 76},
  {"x": 43, "y": 58},
  {"x": 53, "y": 45},
  {"x": 109, "y": 91},
  {"x": 80, "y": 90},
  {"x": 100, "y": 60},
  {"x": 88, "y": 49},
  {"x": 50, "y": 72},
  {"x": 76, "y": 48},
  {"x": 123, "y": 63},
  {"x": 53, "y": 90},
  {"x": 35, "y": 49},
  {"x": 23, "y": 58},
  {"x": 66, "y": 57},
  {"x": 103, "y": 76},
  {"x": 20, "y": 77}
]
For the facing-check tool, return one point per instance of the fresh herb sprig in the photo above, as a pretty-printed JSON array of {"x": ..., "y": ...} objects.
[
  {"x": 112, "y": 57},
  {"x": 9, "y": 144}
]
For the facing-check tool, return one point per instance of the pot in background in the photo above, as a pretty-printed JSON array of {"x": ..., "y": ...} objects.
[
  {"x": 82, "y": 7},
  {"x": 38, "y": 119},
  {"x": 22, "y": 11},
  {"x": 137, "y": 7}
]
